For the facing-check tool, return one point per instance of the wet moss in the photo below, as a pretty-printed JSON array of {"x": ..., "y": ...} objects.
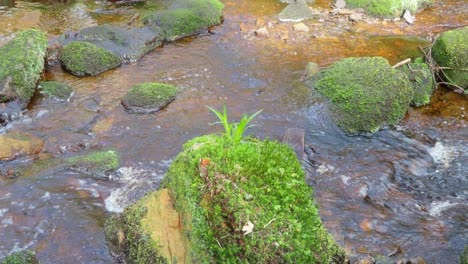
[
  {"x": 365, "y": 93},
  {"x": 185, "y": 18},
  {"x": 389, "y": 8},
  {"x": 98, "y": 161},
  {"x": 421, "y": 80},
  {"x": 57, "y": 90},
  {"x": 149, "y": 97},
  {"x": 21, "y": 257},
  {"x": 21, "y": 65},
  {"x": 451, "y": 50},
  {"x": 464, "y": 256},
  {"x": 83, "y": 58}
]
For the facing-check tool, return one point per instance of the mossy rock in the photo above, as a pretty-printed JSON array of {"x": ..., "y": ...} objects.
[
  {"x": 389, "y": 8},
  {"x": 148, "y": 97},
  {"x": 57, "y": 90},
  {"x": 21, "y": 257},
  {"x": 21, "y": 65},
  {"x": 296, "y": 11},
  {"x": 185, "y": 18},
  {"x": 421, "y": 80},
  {"x": 83, "y": 58},
  {"x": 451, "y": 50},
  {"x": 365, "y": 93},
  {"x": 464, "y": 256},
  {"x": 98, "y": 162},
  {"x": 221, "y": 190}
]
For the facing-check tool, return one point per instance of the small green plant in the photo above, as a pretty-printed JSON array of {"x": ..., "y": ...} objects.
[{"x": 234, "y": 131}]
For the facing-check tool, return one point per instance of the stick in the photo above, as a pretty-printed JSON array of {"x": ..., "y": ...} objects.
[{"x": 401, "y": 63}]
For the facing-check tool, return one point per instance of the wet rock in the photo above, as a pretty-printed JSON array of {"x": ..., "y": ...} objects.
[
  {"x": 451, "y": 50},
  {"x": 365, "y": 93},
  {"x": 13, "y": 145},
  {"x": 383, "y": 260},
  {"x": 294, "y": 137},
  {"x": 21, "y": 257},
  {"x": 344, "y": 12},
  {"x": 312, "y": 69},
  {"x": 417, "y": 260},
  {"x": 10, "y": 111},
  {"x": 464, "y": 256},
  {"x": 148, "y": 97},
  {"x": 301, "y": 27},
  {"x": 129, "y": 44},
  {"x": 420, "y": 78},
  {"x": 366, "y": 260},
  {"x": 185, "y": 18},
  {"x": 356, "y": 17},
  {"x": 83, "y": 58},
  {"x": 262, "y": 32},
  {"x": 292, "y": 1},
  {"x": 296, "y": 12},
  {"x": 389, "y": 9},
  {"x": 56, "y": 90},
  {"x": 339, "y": 4},
  {"x": 91, "y": 105},
  {"x": 95, "y": 163},
  {"x": 408, "y": 17}
]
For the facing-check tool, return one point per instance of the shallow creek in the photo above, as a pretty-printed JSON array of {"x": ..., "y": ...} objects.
[{"x": 403, "y": 187}]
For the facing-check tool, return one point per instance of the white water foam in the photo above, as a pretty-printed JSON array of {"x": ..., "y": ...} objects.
[
  {"x": 438, "y": 207},
  {"x": 442, "y": 154}
]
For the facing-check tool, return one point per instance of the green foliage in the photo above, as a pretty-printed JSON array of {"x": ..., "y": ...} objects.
[
  {"x": 150, "y": 95},
  {"x": 234, "y": 131},
  {"x": 220, "y": 186},
  {"x": 421, "y": 80},
  {"x": 389, "y": 8},
  {"x": 21, "y": 65},
  {"x": 98, "y": 161},
  {"x": 58, "y": 90},
  {"x": 464, "y": 256},
  {"x": 365, "y": 93},
  {"x": 21, "y": 257},
  {"x": 83, "y": 58}
]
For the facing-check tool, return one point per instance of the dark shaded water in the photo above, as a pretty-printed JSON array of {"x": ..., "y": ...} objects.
[{"x": 402, "y": 187}]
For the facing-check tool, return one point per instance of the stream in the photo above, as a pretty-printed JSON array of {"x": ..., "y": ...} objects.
[{"x": 401, "y": 189}]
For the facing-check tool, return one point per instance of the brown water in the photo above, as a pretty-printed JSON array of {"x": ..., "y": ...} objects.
[{"x": 402, "y": 187}]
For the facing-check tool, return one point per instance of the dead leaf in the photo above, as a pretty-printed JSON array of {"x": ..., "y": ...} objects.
[{"x": 248, "y": 228}]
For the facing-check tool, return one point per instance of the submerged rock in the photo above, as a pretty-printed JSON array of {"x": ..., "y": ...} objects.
[
  {"x": 393, "y": 8},
  {"x": 98, "y": 162},
  {"x": 451, "y": 50},
  {"x": 420, "y": 78},
  {"x": 149, "y": 97},
  {"x": 21, "y": 257},
  {"x": 232, "y": 203},
  {"x": 57, "y": 90},
  {"x": 295, "y": 12},
  {"x": 365, "y": 93},
  {"x": 13, "y": 145}
]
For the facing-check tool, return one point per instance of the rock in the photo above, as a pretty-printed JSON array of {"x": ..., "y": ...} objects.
[
  {"x": 262, "y": 32},
  {"x": 98, "y": 162},
  {"x": 365, "y": 93},
  {"x": 389, "y": 9},
  {"x": 13, "y": 145},
  {"x": 57, "y": 90},
  {"x": 339, "y": 4},
  {"x": 451, "y": 50},
  {"x": 383, "y": 260},
  {"x": 345, "y": 12},
  {"x": 301, "y": 27},
  {"x": 21, "y": 257},
  {"x": 312, "y": 69},
  {"x": 408, "y": 17},
  {"x": 420, "y": 78},
  {"x": 83, "y": 58},
  {"x": 356, "y": 17},
  {"x": 185, "y": 18},
  {"x": 10, "y": 111},
  {"x": 129, "y": 44},
  {"x": 417, "y": 260},
  {"x": 21, "y": 65},
  {"x": 365, "y": 260},
  {"x": 292, "y": 1},
  {"x": 296, "y": 12},
  {"x": 260, "y": 22},
  {"x": 294, "y": 137},
  {"x": 148, "y": 97}
]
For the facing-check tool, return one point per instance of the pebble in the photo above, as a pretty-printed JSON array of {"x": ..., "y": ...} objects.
[
  {"x": 356, "y": 17},
  {"x": 262, "y": 32},
  {"x": 340, "y": 4},
  {"x": 408, "y": 17},
  {"x": 301, "y": 27}
]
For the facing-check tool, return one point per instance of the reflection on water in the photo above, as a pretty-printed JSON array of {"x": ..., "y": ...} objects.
[{"x": 402, "y": 187}]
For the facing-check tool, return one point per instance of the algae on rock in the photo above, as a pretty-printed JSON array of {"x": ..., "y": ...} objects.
[
  {"x": 389, "y": 8},
  {"x": 57, "y": 90},
  {"x": 149, "y": 97},
  {"x": 365, "y": 93},
  {"x": 96, "y": 162},
  {"x": 21, "y": 257}
]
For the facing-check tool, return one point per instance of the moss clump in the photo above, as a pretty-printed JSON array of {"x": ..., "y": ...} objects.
[
  {"x": 21, "y": 65},
  {"x": 185, "y": 18},
  {"x": 365, "y": 93},
  {"x": 57, "y": 90},
  {"x": 464, "y": 256},
  {"x": 149, "y": 97},
  {"x": 218, "y": 187},
  {"x": 83, "y": 58},
  {"x": 420, "y": 78},
  {"x": 451, "y": 50},
  {"x": 98, "y": 161},
  {"x": 21, "y": 257},
  {"x": 389, "y": 8}
]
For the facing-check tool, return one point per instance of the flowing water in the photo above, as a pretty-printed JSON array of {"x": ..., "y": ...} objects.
[{"x": 403, "y": 187}]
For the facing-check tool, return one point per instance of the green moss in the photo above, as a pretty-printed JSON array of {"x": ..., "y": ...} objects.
[
  {"x": 420, "y": 78},
  {"x": 365, "y": 93},
  {"x": 21, "y": 65},
  {"x": 98, "y": 161},
  {"x": 451, "y": 50},
  {"x": 83, "y": 58},
  {"x": 58, "y": 90},
  {"x": 149, "y": 97},
  {"x": 187, "y": 17},
  {"x": 464, "y": 256},
  {"x": 21, "y": 257},
  {"x": 389, "y": 8}
]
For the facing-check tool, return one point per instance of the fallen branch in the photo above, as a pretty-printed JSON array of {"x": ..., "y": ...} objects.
[{"x": 401, "y": 63}]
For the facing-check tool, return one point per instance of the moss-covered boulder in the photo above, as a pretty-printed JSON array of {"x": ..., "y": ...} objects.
[
  {"x": 21, "y": 65},
  {"x": 421, "y": 80},
  {"x": 148, "y": 97},
  {"x": 365, "y": 93},
  {"x": 450, "y": 50},
  {"x": 83, "y": 58},
  {"x": 386, "y": 8},
  {"x": 185, "y": 18},
  {"x": 57, "y": 90},
  {"x": 244, "y": 202},
  {"x": 21, "y": 257},
  {"x": 97, "y": 162}
]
